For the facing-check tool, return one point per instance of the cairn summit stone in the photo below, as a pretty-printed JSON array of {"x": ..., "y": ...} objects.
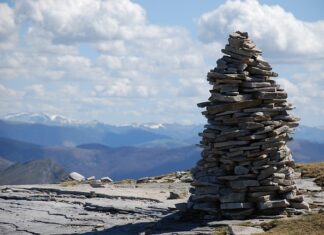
[{"x": 246, "y": 167}]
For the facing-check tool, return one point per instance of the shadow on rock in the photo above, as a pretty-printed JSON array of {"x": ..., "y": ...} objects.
[{"x": 168, "y": 224}]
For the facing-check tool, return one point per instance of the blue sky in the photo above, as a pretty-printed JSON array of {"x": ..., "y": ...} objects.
[
  {"x": 141, "y": 61},
  {"x": 183, "y": 12}
]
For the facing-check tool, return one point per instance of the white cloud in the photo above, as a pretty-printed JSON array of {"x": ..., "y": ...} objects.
[
  {"x": 73, "y": 62},
  {"x": 137, "y": 61},
  {"x": 132, "y": 50},
  {"x": 111, "y": 62},
  {"x": 275, "y": 30},
  {"x": 7, "y": 93},
  {"x": 305, "y": 91},
  {"x": 70, "y": 21},
  {"x": 294, "y": 46},
  {"x": 116, "y": 47},
  {"x": 119, "y": 88},
  {"x": 8, "y": 27},
  {"x": 155, "y": 73},
  {"x": 70, "y": 90},
  {"x": 123, "y": 88},
  {"x": 145, "y": 91},
  {"x": 35, "y": 90},
  {"x": 289, "y": 86}
]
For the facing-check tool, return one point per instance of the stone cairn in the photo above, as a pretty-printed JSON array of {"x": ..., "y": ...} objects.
[{"x": 246, "y": 168}]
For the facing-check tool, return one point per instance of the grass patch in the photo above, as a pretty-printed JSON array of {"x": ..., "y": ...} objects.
[
  {"x": 169, "y": 181},
  {"x": 221, "y": 230},
  {"x": 70, "y": 183},
  {"x": 312, "y": 170},
  {"x": 173, "y": 175},
  {"x": 188, "y": 173},
  {"x": 308, "y": 224},
  {"x": 266, "y": 226}
]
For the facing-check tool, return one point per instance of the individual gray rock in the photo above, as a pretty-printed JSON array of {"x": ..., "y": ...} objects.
[
  {"x": 267, "y": 188},
  {"x": 236, "y": 205},
  {"x": 273, "y": 204},
  {"x": 233, "y": 197},
  {"x": 244, "y": 230},
  {"x": 238, "y": 214},
  {"x": 272, "y": 95},
  {"x": 91, "y": 178},
  {"x": 241, "y": 184},
  {"x": 228, "y": 98},
  {"x": 76, "y": 176},
  {"x": 256, "y": 84},
  {"x": 299, "y": 205},
  {"x": 267, "y": 172},
  {"x": 241, "y": 170},
  {"x": 230, "y": 143},
  {"x": 106, "y": 179}
]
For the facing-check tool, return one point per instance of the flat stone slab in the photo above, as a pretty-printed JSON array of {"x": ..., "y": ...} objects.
[
  {"x": 308, "y": 184},
  {"x": 232, "y": 106},
  {"x": 244, "y": 230},
  {"x": 53, "y": 209},
  {"x": 235, "y": 205},
  {"x": 241, "y": 184}
]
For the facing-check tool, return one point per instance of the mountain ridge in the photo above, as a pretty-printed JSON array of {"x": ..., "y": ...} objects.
[
  {"x": 130, "y": 161},
  {"x": 41, "y": 171},
  {"x": 151, "y": 134},
  {"x": 99, "y": 160}
]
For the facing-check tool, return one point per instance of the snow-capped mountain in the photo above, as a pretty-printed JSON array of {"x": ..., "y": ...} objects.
[
  {"x": 41, "y": 118},
  {"x": 55, "y": 119},
  {"x": 58, "y": 130},
  {"x": 150, "y": 125}
]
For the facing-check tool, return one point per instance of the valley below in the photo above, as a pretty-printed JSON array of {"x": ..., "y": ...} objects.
[{"x": 36, "y": 150}]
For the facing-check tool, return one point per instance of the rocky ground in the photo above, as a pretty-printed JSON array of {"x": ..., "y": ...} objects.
[{"x": 126, "y": 207}]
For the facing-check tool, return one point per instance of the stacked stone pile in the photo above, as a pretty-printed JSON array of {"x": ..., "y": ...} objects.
[{"x": 246, "y": 167}]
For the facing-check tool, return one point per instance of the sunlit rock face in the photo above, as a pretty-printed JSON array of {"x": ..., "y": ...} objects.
[{"x": 246, "y": 168}]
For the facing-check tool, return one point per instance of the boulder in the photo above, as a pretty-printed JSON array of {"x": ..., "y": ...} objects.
[
  {"x": 106, "y": 179},
  {"x": 273, "y": 204},
  {"x": 76, "y": 176},
  {"x": 91, "y": 178}
]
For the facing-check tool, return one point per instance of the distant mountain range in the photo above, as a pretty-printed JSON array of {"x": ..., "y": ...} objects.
[
  {"x": 100, "y": 160},
  {"x": 122, "y": 162},
  {"x": 42, "y": 118},
  {"x": 46, "y": 130},
  {"x": 39, "y": 129},
  {"x": 117, "y": 151}
]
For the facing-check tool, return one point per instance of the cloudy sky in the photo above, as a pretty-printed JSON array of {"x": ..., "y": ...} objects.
[{"x": 122, "y": 61}]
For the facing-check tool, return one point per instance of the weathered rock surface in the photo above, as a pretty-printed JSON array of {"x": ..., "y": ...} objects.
[
  {"x": 118, "y": 209},
  {"x": 244, "y": 230},
  {"x": 53, "y": 209}
]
